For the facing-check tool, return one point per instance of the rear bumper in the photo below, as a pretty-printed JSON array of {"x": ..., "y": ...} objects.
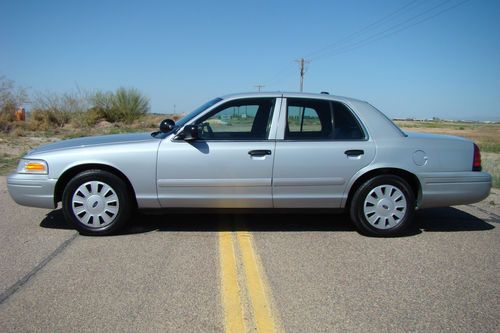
[
  {"x": 453, "y": 188},
  {"x": 32, "y": 190}
]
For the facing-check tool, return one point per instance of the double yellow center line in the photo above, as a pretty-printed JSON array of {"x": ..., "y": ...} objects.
[{"x": 245, "y": 295}]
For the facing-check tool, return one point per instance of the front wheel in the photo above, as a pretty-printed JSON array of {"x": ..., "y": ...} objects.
[
  {"x": 96, "y": 202},
  {"x": 383, "y": 206}
]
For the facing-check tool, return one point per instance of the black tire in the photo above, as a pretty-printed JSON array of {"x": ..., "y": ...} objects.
[
  {"x": 383, "y": 206},
  {"x": 97, "y": 203}
]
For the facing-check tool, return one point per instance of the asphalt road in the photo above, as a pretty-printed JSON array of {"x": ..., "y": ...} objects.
[{"x": 185, "y": 273}]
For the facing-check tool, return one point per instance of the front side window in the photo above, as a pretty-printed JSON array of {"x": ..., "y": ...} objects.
[
  {"x": 244, "y": 119},
  {"x": 309, "y": 119}
]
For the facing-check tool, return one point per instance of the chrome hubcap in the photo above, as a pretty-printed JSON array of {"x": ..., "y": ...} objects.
[
  {"x": 385, "y": 206},
  {"x": 95, "y": 204}
]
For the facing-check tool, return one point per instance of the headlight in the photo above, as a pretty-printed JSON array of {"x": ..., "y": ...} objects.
[{"x": 39, "y": 167}]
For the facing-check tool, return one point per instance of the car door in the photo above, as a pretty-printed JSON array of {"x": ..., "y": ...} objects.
[
  {"x": 229, "y": 165},
  {"x": 321, "y": 146}
]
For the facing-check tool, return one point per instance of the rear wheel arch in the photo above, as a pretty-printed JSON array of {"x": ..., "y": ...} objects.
[
  {"x": 409, "y": 177},
  {"x": 72, "y": 172}
]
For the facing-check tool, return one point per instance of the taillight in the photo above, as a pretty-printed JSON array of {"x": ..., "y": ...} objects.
[{"x": 476, "y": 164}]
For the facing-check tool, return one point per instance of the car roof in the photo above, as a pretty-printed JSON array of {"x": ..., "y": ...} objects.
[{"x": 290, "y": 95}]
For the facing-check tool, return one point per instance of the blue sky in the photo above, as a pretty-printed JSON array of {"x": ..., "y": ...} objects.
[{"x": 185, "y": 52}]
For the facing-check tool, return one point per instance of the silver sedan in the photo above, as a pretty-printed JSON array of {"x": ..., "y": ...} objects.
[{"x": 257, "y": 151}]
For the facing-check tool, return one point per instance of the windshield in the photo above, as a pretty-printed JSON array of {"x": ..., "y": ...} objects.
[
  {"x": 194, "y": 113},
  {"x": 186, "y": 118}
]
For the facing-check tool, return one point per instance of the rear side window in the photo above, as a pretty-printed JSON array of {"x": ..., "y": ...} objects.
[{"x": 310, "y": 119}]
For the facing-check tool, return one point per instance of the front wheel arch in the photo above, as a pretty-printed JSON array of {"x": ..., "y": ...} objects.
[{"x": 72, "y": 172}]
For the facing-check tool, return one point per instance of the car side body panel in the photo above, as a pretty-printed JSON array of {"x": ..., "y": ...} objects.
[
  {"x": 214, "y": 174},
  {"x": 315, "y": 174}
]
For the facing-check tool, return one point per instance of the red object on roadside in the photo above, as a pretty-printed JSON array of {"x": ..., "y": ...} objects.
[{"x": 20, "y": 114}]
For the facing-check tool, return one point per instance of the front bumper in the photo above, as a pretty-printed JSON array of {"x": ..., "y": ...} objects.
[
  {"x": 454, "y": 188},
  {"x": 32, "y": 190}
]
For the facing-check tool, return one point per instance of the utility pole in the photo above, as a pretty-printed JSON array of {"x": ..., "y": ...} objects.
[
  {"x": 259, "y": 86},
  {"x": 302, "y": 62}
]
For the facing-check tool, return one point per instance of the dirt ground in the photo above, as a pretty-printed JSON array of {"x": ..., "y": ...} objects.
[
  {"x": 14, "y": 146},
  {"x": 491, "y": 203}
]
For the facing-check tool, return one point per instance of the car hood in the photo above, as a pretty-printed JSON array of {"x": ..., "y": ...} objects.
[{"x": 93, "y": 141}]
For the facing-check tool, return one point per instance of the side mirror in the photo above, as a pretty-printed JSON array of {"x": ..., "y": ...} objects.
[
  {"x": 190, "y": 132},
  {"x": 167, "y": 125}
]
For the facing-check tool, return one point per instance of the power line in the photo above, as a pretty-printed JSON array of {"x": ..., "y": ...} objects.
[
  {"x": 393, "y": 29},
  {"x": 412, "y": 21},
  {"x": 389, "y": 17}
]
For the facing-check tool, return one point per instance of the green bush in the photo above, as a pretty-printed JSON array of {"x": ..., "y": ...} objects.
[
  {"x": 88, "y": 118},
  {"x": 125, "y": 105},
  {"x": 102, "y": 106},
  {"x": 102, "y": 100}
]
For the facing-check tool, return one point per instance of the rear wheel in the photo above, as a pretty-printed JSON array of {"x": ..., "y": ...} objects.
[
  {"x": 96, "y": 202},
  {"x": 383, "y": 206}
]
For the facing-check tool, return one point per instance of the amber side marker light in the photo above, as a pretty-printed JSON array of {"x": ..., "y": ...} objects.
[{"x": 32, "y": 166}]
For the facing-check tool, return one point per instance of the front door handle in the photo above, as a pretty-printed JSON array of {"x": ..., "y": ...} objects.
[
  {"x": 354, "y": 152},
  {"x": 259, "y": 152}
]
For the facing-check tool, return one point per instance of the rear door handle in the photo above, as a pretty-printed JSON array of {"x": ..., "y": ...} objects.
[
  {"x": 259, "y": 152},
  {"x": 354, "y": 152}
]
